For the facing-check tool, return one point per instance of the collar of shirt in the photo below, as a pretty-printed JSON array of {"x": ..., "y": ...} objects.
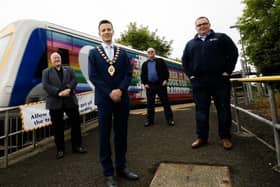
[
  {"x": 105, "y": 46},
  {"x": 109, "y": 50},
  {"x": 151, "y": 59},
  {"x": 204, "y": 36}
]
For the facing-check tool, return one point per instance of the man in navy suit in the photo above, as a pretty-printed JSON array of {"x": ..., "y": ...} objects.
[
  {"x": 110, "y": 71},
  {"x": 60, "y": 82}
]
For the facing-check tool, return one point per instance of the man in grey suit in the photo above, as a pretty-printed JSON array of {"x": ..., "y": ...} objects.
[{"x": 60, "y": 82}]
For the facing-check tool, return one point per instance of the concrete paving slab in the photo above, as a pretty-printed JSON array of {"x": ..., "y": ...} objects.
[{"x": 191, "y": 175}]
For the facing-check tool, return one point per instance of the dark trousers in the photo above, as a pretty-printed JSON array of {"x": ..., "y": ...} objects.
[
  {"x": 161, "y": 91},
  {"x": 58, "y": 124},
  {"x": 115, "y": 115},
  {"x": 217, "y": 88}
]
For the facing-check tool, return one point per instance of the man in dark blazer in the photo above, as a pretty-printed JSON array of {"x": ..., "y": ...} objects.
[
  {"x": 60, "y": 82},
  {"x": 109, "y": 70},
  {"x": 154, "y": 76}
]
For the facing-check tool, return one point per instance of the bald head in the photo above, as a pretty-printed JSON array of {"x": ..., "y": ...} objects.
[
  {"x": 151, "y": 53},
  {"x": 55, "y": 59}
]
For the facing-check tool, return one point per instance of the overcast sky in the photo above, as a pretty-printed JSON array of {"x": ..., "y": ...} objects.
[{"x": 173, "y": 19}]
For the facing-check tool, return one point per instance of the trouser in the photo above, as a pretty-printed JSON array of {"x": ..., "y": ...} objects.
[
  {"x": 58, "y": 124},
  {"x": 118, "y": 114},
  {"x": 217, "y": 88},
  {"x": 161, "y": 91}
]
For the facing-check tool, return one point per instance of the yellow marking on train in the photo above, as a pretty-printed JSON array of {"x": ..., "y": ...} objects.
[
  {"x": 9, "y": 30},
  {"x": 160, "y": 109}
]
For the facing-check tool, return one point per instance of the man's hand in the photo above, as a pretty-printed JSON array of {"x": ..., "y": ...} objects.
[
  {"x": 192, "y": 77},
  {"x": 164, "y": 83},
  {"x": 116, "y": 95},
  {"x": 65, "y": 92},
  {"x": 225, "y": 74}
]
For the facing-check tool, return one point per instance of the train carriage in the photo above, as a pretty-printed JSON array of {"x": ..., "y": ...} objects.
[{"x": 24, "y": 49}]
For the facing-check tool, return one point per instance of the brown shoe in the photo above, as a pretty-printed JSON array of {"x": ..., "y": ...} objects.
[
  {"x": 198, "y": 143},
  {"x": 227, "y": 144}
]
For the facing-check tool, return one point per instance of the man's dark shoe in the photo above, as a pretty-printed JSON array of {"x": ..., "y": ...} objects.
[
  {"x": 198, "y": 143},
  {"x": 59, "y": 154},
  {"x": 80, "y": 150},
  {"x": 111, "y": 181},
  {"x": 125, "y": 173},
  {"x": 171, "y": 123},
  {"x": 148, "y": 123}
]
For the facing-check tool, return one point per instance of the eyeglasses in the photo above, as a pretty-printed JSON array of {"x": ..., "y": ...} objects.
[
  {"x": 150, "y": 52},
  {"x": 202, "y": 24}
]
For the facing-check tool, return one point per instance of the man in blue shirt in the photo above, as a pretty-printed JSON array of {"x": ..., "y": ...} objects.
[{"x": 154, "y": 76}]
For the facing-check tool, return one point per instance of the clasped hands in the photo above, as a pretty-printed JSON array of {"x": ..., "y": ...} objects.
[
  {"x": 116, "y": 95},
  {"x": 65, "y": 92}
]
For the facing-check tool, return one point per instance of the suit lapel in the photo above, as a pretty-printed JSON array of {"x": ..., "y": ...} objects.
[
  {"x": 64, "y": 74},
  {"x": 101, "y": 51},
  {"x": 115, "y": 50}
]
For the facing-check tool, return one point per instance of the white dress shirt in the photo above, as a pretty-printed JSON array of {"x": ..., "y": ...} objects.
[{"x": 109, "y": 50}]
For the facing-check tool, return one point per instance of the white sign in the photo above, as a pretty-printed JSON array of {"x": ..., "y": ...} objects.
[
  {"x": 35, "y": 115},
  {"x": 86, "y": 103}
]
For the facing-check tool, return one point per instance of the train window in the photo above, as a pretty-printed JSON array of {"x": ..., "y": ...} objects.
[
  {"x": 42, "y": 65},
  {"x": 64, "y": 56},
  {"x": 3, "y": 46}
]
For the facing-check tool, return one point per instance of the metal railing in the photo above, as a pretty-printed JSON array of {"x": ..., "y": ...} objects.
[
  {"x": 268, "y": 80},
  {"x": 17, "y": 144}
]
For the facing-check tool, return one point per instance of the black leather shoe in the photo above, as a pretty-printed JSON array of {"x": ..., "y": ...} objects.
[
  {"x": 125, "y": 173},
  {"x": 111, "y": 181},
  {"x": 148, "y": 123},
  {"x": 79, "y": 150},
  {"x": 59, "y": 154}
]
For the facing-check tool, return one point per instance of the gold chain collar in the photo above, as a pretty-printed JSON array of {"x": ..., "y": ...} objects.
[
  {"x": 116, "y": 55},
  {"x": 111, "y": 68}
]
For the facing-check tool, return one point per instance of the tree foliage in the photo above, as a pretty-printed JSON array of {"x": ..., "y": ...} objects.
[
  {"x": 260, "y": 30},
  {"x": 141, "y": 38}
]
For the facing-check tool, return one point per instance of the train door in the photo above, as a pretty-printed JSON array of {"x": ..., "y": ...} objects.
[{"x": 33, "y": 60}]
